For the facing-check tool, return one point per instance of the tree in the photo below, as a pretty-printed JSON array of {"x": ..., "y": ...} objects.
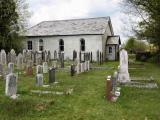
[
  {"x": 11, "y": 24},
  {"x": 149, "y": 26},
  {"x": 133, "y": 46}
]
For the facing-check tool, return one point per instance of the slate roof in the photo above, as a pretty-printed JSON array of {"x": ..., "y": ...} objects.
[
  {"x": 69, "y": 27},
  {"x": 113, "y": 40}
]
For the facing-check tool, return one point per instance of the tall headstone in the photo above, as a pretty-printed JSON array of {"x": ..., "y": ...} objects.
[
  {"x": 3, "y": 57},
  {"x": 62, "y": 59},
  {"x": 55, "y": 54},
  {"x": 72, "y": 70},
  {"x": 20, "y": 61},
  {"x": 45, "y": 67},
  {"x": 51, "y": 75},
  {"x": 11, "y": 84},
  {"x": 13, "y": 56},
  {"x": 74, "y": 55},
  {"x": 98, "y": 56},
  {"x": 49, "y": 56},
  {"x": 123, "y": 75},
  {"x": 91, "y": 57}
]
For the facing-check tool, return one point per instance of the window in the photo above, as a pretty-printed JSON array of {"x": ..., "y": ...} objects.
[
  {"x": 40, "y": 45},
  {"x": 61, "y": 45},
  {"x": 82, "y": 47},
  {"x": 110, "y": 49},
  {"x": 29, "y": 45}
]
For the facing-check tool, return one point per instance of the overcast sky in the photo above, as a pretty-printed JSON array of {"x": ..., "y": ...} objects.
[{"x": 44, "y": 10}]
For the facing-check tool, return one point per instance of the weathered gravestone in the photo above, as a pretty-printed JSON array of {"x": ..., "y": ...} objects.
[
  {"x": 98, "y": 57},
  {"x": 3, "y": 57},
  {"x": 49, "y": 56},
  {"x": 10, "y": 67},
  {"x": 39, "y": 69},
  {"x": 51, "y": 75},
  {"x": 55, "y": 55},
  {"x": 11, "y": 84},
  {"x": 20, "y": 61},
  {"x": 39, "y": 79},
  {"x": 123, "y": 75},
  {"x": 13, "y": 56},
  {"x": 45, "y": 67},
  {"x": 54, "y": 64},
  {"x": 29, "y": 69},
  {"x": 72, "y": 70},
  {"x": 62, "y": 59},
  {"x": 74, "y": 55}
]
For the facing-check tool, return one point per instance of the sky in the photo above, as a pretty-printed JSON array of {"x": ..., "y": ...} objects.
[{"x": 45, "y": 10}]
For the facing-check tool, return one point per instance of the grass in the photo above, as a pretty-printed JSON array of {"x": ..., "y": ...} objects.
[{"x": 87, "y": 100}]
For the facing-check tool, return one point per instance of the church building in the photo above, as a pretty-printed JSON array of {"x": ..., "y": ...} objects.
[{"x": 81, "y": 35}]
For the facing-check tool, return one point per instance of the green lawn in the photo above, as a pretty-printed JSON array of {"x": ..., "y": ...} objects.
[{"x": 87, "y": 100}]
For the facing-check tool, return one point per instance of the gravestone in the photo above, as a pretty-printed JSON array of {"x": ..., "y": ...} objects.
[
  {"x": 45, "y": 67},
  {"x": 3, "y": 57},
  {"x": 74, "y": 55},
  {"x": 80, "y": 58},
  {"x": 82, "y": 69},
  {"x": 77, "y": 68},
  {"x": 72, "y": 70},
  {"x": 51, "y": 75},
  {"x": 123, "y": 75},
  {"x": 88, "y": 65},
  {"x": 49, "y": 56},
  {"x": 55, "y": 55},
  {"x": 98, "y": 56},
  {"x": 13, "y": 56},
  {"x": 11, "y": 84},
  {"x": 54, "y": 64},
  {"x": 91, "y": 57},
  {"x": 62, "y": 59},
  {"x": 20, "y": 61},
  {"x": 39, "y": 79},
  {"x": 39, "y": 69},
  {"x": 10, "y": 67},
  {"x": 29, "y": 69}
]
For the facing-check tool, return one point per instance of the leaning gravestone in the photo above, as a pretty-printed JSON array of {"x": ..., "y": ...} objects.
[
  {"x": 51, "y": 75},
  {"x": 45, "y": 67},
  {"x": 123, "y": 75},
  {"x": 11, "y": 84},
  {"x": 39, "y": 79}
]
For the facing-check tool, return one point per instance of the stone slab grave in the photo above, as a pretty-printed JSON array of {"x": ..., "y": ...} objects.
[
  {"x": 11, "y": 85},
  {"x": 142, "y": 85},
  {"x": 39, "y": 79},
  {"x": 67, "y": 92},
  {"x": 45, "y": 67}
]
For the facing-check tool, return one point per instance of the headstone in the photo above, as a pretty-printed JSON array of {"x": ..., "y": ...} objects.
[
  {"x": 62, "y": 59},
  {"x": 123, "y": 75},
  {"x": 98, "y": 56},
  {"x": 80, "y": 58},
  {"x": 72, "y": 70},
  {"x": 10, "y": 67},
  {"x": 82, "y": 69},
  {"x": 88, "y": 65},
  {"x": 45, "y": 67},
  {"x": 3, "y": 57},
  {"x": 49, "y": 56},
  {"x": 77, "y": 68},
  {"x": 39, "y": 79},
  {"x": 39, "y": 69},
  {"x": 55, "y": 54},
  {"x": 91, "y": 57},
  {"x": 54, "y": 64},
  {"x": 20, "y": 61},
  {"x": 74, "y": 55},
  {"x": 13, "y": 56},
  {"x": 51, "y": 75},
  {"x": 1, "y": 69},
  {"x": 11, "y": 84}
]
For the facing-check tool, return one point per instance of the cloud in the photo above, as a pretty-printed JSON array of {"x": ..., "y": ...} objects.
[{"x": 44, "y": 10}]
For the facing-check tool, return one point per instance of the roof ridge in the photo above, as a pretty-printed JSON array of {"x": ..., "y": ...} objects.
[{"x": 75, "y": 19}]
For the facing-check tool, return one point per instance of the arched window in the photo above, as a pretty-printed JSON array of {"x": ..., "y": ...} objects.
[
  {"x": 29, "y": 44},
  {"x": 82, "y": 46},
  {"x": 110, "y": 49},
  {"x": 61, "y": 45},
  {"x": 41, "y": 45}
]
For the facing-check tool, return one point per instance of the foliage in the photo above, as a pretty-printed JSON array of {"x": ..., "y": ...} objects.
[
  {"x": 132, "y": 45},
  {"x": 11, "y": 22},
  {"x": 149, "y": 12}
]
